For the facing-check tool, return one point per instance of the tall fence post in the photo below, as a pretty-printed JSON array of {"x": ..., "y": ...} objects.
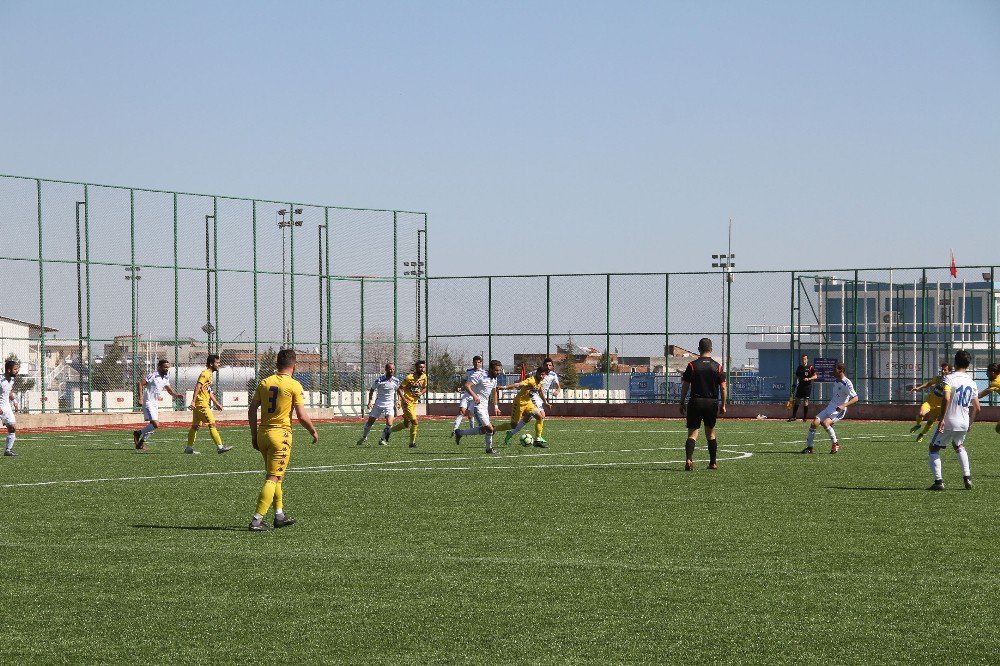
[
  {"x": 792, "y": 333},
  {"x": 134, "y": 389},
  {"x": 854, "y": 343},
  {"x": 177, "y": 307},
  {"x": 489, "y": 319},
  {"x": 215, "y": 282},
  {"x": 548, "y": 315},
  {"x": 426, "y": 312},
  {"x": 41, "y": 294},
  {"x": 86, "y": 257},
  {"x": 395, "y": 288},
  {"x": 607, "y": 340},
  {"x": 256, "y": 296},
  {"x": 329, "y": 314},
  {"x": 666, "y": 338},
  {"x": 291, "y": 274},
  {"x": 729, "y": 324},
  {"x": 361, "y": 378}
]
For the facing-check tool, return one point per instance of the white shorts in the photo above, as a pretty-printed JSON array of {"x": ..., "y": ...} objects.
[
  {"x": 954, "y": 437},
  {"x": 7, "y": 416},
  {"x": 381, "y": 412},
  {"x": 537, "y": 399},
  {"x": 151, "y": 412},
  {"x": 465, "y": 403},
  {"x": 832, "y": 414},
  {"x": 479, "y": 412}
]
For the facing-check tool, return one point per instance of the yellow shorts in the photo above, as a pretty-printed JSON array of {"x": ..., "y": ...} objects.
[
  {"x": 931, "y": 411},
  {"x": 409, "y": 412},
  {"x": 203, "y": 416},
  {"x": 519, "y": 410},
  {"x": 276, "y": 447}
]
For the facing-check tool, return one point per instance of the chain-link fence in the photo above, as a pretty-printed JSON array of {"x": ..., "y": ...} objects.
[
  {"x": 627, "y": 337},
  {"x": 102, "y": 281}
]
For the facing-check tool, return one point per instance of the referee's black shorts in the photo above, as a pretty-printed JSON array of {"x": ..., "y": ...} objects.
[
  {"x": 702, "y": 410},
  {"x": 803, "y": 391}
]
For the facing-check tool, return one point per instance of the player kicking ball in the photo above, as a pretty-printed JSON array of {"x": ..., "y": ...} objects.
[
  {"x": 930, "y": 410},
  {"x": 843, "y": 397},
  {"x": 276, "y": 398},
  {"x": 482, "y": 390},
  {"x": 961, "y": 407},
  {"x": 150, "y": 389},
  {"x": 523, "y": 408}
]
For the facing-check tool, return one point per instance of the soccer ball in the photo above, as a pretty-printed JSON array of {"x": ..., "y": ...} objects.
[{"x": 527, "y": 440}]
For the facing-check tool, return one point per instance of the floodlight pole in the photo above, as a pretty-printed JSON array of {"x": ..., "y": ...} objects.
[{"x": 725, "y": 263}]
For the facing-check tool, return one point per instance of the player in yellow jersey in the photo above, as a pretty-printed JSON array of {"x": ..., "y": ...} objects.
[
  {"x": 993, "y": 372},
  {"x": 930, "y": 410},
  {"x": 523, "y": 408},
  {"x": 413, "y": 386},
  {"x": 201, "y": 404},
  {"x": 276, "y": 397}
]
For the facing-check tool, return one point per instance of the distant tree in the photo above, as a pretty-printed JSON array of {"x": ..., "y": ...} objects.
[
  {"x": 606, "y": 364},
  {"x": 569, "y": 378},
  {"x": 442, "y": 372},
  {"x": 109, "y": 374}
]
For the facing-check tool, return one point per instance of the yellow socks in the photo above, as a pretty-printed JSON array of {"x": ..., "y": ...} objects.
[
  {"x": 538, "y": 428},
  {"x": 216, "y": 437},
  {"x": 413, "y": 433},
  {"x": 279, "y": 505},
  {"x": 266, "y": 497},
  {"x": 192, "y": 435}
]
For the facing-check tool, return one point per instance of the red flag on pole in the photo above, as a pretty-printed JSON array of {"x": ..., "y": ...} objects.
[
  {"x": 954, "y": 266},
  {"x": 524, "y": 371}
]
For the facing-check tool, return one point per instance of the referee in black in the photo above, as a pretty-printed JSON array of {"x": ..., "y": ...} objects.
[
  {"x": 805, "y": 375},
  {"x": 706, "y": 381}
]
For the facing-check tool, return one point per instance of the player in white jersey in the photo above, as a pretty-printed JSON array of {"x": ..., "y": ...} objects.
[
  {"x": 551, "y": 379},
  {"x": 843, "y": 397},
  {"x": 10, "y": 370},
  {"x": 482, "y": 390},
  {"x": 150, "y": 389},
  {"x": 961, "y": 407},
  {"x": 466, "y": 401},
  {"x": 383, "y": 403}
]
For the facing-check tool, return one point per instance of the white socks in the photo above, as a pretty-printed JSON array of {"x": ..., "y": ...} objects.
[
  {"x": 811, "y": 437},
  {"x": 935, "y": 462},
  {"x": 458, "y": 421},
  {"x": 10, "y": 441},
  {"x": 963, "y": 459},
  {"x": 831, "y": 433},
  {"x": 489, "y": 440}
]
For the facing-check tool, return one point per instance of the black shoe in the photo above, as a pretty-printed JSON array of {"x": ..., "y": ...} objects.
[
  {"x": 413, "y": 445},
  {"x": 283, "y": 521},
  {"x": 458, "y": 436},
  {"x": 9, "y": 453},
  {"x": 968, "y": 483},
  {"x": 808, "y": 449},
  {"x": 938, "y": 485},
  {"x": 791, "y": 419},
  {"x": 259, "y": 526}
]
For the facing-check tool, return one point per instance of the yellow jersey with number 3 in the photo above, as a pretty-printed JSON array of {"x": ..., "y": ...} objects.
[
  {"x": 278, "y": 395},
  {"x": 202, "y": 400}
]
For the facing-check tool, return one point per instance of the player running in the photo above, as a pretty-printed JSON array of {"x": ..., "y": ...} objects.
[
  {"x": 276, "y": 397},
  {"x": 413, "y": 386},
  {"x": 993, "y": 372},
  {"x": 482, "y": 390},
  {"x": 201, "y": 404},
  {"x": 11, "y": 368},
  {"x": 706, "y": 380},
  {"x": 466, "y": 402},
  {"x": 150, "y": 389},
  {"x": 523, "y": 408},
  {"x": 550, "y": 380},
  {"x": 843, "y": 397},
  {"x": 383, "y": 403},
  {"x": 961, "y": 407},
  {"x": 930, "y": 410}
]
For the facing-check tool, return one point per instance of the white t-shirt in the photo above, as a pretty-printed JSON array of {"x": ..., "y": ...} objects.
[
  {"x": 843, "y": 390},
  {"x": 549, "y": 380},
  {"x": 963, "y": 391},
  {"x": 385, "y": 391},
  {"x": 155, "y": 383},
  {"x": 6, "y": 386},
  {"x": 483, "y": 385}
]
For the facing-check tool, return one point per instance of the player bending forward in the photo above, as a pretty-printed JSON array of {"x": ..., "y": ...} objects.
[
  {"x": 930, "y": 410},
  {"x": 466, "y": 401},
  {"x": 523, "y": 408},
  {"x": 276, "y": 397},
  {"x": 382, "y": 404},
  {"x": 482, "y": 390},
  {"x": 843, "y": 397},
  {"x": 150, "y": 389},
  {"x": 414, "y": 385},
  {"x": 11, "y": 368},
  {"x": 961, "y": 407},
  {"x": 993, "y": 372}
]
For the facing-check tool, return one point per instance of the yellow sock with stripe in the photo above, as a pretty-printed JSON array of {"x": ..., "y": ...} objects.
[
  {"x": 279, "y": 504},
  {"x": 413, "y": 433},
  {"x": 538, "y": 428},
  {"x": 216, "y": 437},
  {"x": 192, "y": 435},
  {"x": 266, "y": 497}
]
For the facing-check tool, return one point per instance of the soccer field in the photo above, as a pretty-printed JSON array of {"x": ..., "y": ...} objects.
[{"x": 600, "y": 549}]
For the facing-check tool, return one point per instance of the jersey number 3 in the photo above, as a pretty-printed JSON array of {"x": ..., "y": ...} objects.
[{"x": 273, "y": 400}]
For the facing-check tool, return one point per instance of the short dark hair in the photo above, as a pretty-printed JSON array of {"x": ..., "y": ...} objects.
[
  {"x": 803, "y": 356},
  {"x": 963, "y": 359},
  {"x": 495, "y": 362},
  {"x": 416, "y": 363},
  {"x": 840, "y": 367},
  {"x": 162, "y": 362},
  {"x": 477, "y": 358},
  {"x": 541, "y": 370},
  {"x": 286, "y": 359},
  {"x": 9, "y": 364},
  {"x": 994, "y": 368},
  {"x": 547, "y": 359},
  {"x": 212, "y": 358},
  {"x": 704, "y": 345}
]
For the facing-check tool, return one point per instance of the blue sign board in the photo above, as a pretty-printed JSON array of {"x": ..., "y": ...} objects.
[{"x": 824, "y": 369}]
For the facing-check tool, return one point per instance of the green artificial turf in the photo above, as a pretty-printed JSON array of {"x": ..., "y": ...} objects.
[{"x": 598, "y": 550}]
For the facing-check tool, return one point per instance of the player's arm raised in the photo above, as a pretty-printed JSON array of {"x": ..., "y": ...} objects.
[{"x": 300, "y": 414}]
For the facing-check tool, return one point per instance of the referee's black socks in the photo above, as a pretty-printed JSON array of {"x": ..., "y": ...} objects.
[
  {"x": 689, "y": 449},
  {"x": 713, "y": 450}
]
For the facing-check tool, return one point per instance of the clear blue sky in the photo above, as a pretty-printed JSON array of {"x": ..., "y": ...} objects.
[{"x": 552, "y": 136}]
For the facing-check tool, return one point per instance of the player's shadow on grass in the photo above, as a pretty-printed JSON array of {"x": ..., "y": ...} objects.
[
  {"x": 906, "y": 489},
  {"x": 197, "y": 528}
]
